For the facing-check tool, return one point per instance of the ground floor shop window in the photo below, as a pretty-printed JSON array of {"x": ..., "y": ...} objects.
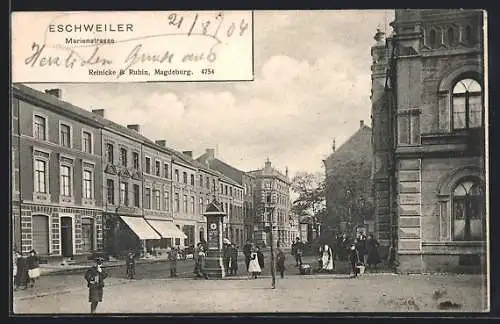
[{"x": 468, "y": 211}]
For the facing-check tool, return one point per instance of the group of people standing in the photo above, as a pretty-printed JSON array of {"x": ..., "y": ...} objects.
[
  {"x": 26, "y": 269},
  {"x": 254, "y": 259},
  {"x": 230, "y": 258}
]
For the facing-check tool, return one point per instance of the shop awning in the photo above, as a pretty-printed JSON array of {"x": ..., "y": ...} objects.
[
  {"x": 141, "y": 228},
  {"x": 167, "y": 229}
]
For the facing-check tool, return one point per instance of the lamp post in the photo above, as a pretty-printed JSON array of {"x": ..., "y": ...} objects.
[{"x": 269, "y": 210}]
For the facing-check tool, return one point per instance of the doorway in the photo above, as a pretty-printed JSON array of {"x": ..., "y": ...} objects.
[{"x": 67, "y": 236}]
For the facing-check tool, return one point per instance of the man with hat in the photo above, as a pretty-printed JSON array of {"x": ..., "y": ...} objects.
[{"x": 95, "y": 276}]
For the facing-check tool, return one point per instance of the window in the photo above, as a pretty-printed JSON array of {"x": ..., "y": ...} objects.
[
  {"x": 468, "y": 37},
  {"x": 221, "y": 188},
  {"x": 65, "y": 180},
  {"x": 433, "y": 39},
  {"x": 451, "y": 36},
  {"x": 207, "y": 184},
  {"x": 214, "y": 184},
  {"x": 467, "y": 103},
  {"x": 40, "y": 128},
  {"x": 184, "y": 177},
  {"x": 201, "y": 181},
  {"x": 87, "y": 184},
  {"x": 192, "y": 205},
  {"x": 177, "y": 175},
  {"x": 124, "y": 193},
  {"x": 409, "y": 129},
  {"x": 148, "y": 165},
  {"x": 40, "y": 177},
  {"x": 165, "y": 170},
  {"x": 135, "y": 157},
  {"x": 156, "y": 199},
  {"x": 87, "y": 142},
  {"x": 110, "y": 187},
  {"x": 231, "y": 191},
  {"x": 176, "y": 202},
  {"x": 166, "y": 200},
  {"x": 137, "y": 195},
  {"x": 201, "y": 206},
  {"x": 123, "y": 157},
  {"x": 185, "y": 204},
  {"x": 65, "y": 136},
  {"x": 109, "y": 153},
  {"x": 225, "y": 190},
  {"x": 468, "y": 212},
  {"x": 147, "y": 198},
  {"x": 192, "y": 179},
  {"x": 157, "y": 168}
]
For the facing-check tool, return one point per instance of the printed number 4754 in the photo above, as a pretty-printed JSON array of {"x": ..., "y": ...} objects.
[{"x": 207, "y": 71}]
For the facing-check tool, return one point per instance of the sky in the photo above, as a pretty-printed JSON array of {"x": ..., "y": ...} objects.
[{"x": 311, "y": 85}]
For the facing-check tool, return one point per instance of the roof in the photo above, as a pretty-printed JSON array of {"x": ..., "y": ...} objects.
[{"x": 360, "y": 140}]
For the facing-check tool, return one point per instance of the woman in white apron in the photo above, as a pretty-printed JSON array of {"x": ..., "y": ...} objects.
[
  {"x": 254, "y": 267},
  {"x": 327, "y": 259}
]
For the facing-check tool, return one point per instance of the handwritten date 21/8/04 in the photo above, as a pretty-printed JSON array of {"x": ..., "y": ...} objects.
[
  {"x": 207, "y": 71},
  {"x": 209, "y": 27}
]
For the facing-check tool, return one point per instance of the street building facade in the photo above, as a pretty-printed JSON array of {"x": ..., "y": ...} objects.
[
  {"x": 272, "y": 189},
  {"x": 428, "y": 113},
  {"x": 348, "y": 183},
  {"x": 57, "y": 194}
]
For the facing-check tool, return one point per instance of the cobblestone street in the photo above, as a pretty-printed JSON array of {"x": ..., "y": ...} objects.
[{"x": 327, "y": 293}]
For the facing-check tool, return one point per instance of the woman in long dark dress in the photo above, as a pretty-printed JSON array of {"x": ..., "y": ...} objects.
[
  {"x": 95, "y": 282},
  {"x": 373, "y": 258}
]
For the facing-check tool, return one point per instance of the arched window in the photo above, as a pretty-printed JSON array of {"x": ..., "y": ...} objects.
[
  {"x": 468, "y": 38},
  {"x": 451, "y": 36},
  {"x": 468, "y": 211},
  {"x": 433, "y": 38},
  {"x": 467, "y": 104}
]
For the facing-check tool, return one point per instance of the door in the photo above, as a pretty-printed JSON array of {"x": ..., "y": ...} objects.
[
  {"x": 87, "y": 235},
  {"x": 67, "y": 236},
  {"x": 40, "y": 229}
]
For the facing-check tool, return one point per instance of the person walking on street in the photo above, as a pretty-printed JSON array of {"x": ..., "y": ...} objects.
[
  {"x": 280, "y": 262},
  {"x": 254, "y": 267},
  {"x": 260, "y": 258},
  {"x": 22, "y": 272},
  {"x": 327, "y": 259},
  {"x": 354, "y": 260},
  {"x": 33, "y": 268},
  {"x": 297, "y": 250},
  {"x": 373, "y": 258},
  {"x": 226, "y": 257},
  {"x": 234, "y": 260},
  {"x": 95, "y": 276},
  {"x": 196, "y": 255},
  {"x": 361, "y": 246},
  {"x": 247, "y": 251},
  {"x": 201, "y": 263},
  {"x": 130, "y": 263},
  {"x": 173, "y": 255}
]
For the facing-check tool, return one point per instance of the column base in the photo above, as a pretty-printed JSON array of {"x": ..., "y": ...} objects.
[{"x": 214, "y": 266}]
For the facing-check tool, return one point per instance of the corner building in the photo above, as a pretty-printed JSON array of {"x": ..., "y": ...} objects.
[{"x": 429, "y": 139}]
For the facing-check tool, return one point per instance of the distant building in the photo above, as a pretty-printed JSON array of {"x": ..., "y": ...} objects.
[
  {"x": 348, "y": 182},
  {"x": 272, "y": 188},
  {"x": 429, "y": 131}
]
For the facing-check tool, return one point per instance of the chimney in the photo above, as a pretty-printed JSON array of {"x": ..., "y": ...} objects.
[
  {"x": 161, "y": 143},
  {"x": 333, "y": 145},
  {"x": 210, "y": 154},
  {"x": 188, "y": 153},
  {"x": 286, "y": 172},
  {"x": 135, "y": 127},
  {"x": 99, "y": 112},
  {"x": 361, "y": 123},
  {"x": 54, "y": 92}
]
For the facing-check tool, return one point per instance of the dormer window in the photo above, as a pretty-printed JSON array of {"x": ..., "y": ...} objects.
[{"x": 467, "y": 104}]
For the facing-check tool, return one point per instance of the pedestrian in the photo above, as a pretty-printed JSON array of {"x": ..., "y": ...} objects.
[
  {"x": 234, "y": 260},
  {"x": 298, "y": 250},
  {"x": 373, "y": 258},
  {"x": 327, "y": 259},
  {"x": 33, "y": 268},
  {"x": 354, "y": 260},
  {"x": 130, "y": 263},
  {"x": 201, "y": 261},
  {"x": 280, "y": 262},
  {"x": 196, "y": 254},
  {"x": 15, "y": 256},
  {"x": 95, "y": 276},
  {"x": 254, "y": 267},
  {"x": 22, "y": 272},
  {"x": 173, "y": 255},
  {"x": 226, "y": 257},
  {"x": 361, "y": 246},
  {"x": 247, "y": 251}
]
